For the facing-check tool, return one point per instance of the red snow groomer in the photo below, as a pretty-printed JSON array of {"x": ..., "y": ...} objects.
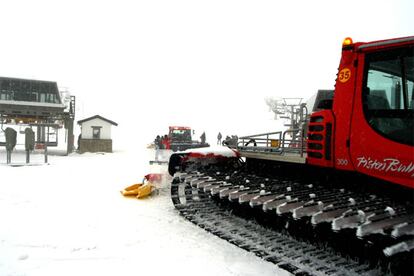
[
  {"x": 180, "y": 138},
  {"x": 331, "y": 197}
]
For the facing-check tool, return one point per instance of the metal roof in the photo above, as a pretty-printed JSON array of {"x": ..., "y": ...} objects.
[{"x": 97, "y": 117}]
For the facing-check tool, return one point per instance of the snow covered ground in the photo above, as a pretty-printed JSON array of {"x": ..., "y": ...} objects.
[{"x": 68, "y": 218}]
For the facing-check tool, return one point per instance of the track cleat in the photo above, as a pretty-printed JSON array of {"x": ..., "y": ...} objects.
[
  {"x": 288, "y": 206},
  {"x": 403, "y": 229},
  {"x": 208, "y": 182},
  {"x": 405, "y": 246},
  {"x": 225, "y": 193},
  {"x": 327, "y": 215},
  {"x": 234, "y": 196},
  {"x": 261, "y": 199},
  {"x": 204, "y": 183},
  {"x": 378, "y": 227},
  {"x": 307, "y": 210},
  {"x": 248, "y": 197},
  {"x": 272, "y": 204},
  {"x": 209, "y": 187},
  {"x": 194, "y": 181},
  {"x": 184, "y": 177},
  {"x": 348, "y": 220},
  {"x": 216, "y": 189}
]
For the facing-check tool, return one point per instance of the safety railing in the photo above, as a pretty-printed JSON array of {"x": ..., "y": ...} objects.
[{"x": 289, "y": 141}]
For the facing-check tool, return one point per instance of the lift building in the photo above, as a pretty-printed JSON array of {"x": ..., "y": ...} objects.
[
  {"x": 37, "y": 104},
  {"x": 29, "y": 98}
]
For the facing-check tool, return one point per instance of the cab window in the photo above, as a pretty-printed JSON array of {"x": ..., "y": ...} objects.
[{"x": 388, "y": 94}]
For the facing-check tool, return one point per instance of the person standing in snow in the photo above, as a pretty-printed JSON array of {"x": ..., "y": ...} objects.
[
  {"x": 203, "y": 138},
  {"x": 219, "y": 138},
  {"x": 157, "y": 143},
  {"x": 166, "y": 142},
  {"x": 79, "y": 139}
]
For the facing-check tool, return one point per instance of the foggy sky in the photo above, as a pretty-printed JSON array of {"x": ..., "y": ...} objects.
[{"x": 207, "y": 64}]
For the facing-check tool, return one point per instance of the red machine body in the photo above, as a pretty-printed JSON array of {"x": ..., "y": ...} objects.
[
  {"x": 343, "y": 176},
  {"x": 180, "y": 138},
  {"x": 179, "y": 133},
  {"x": 172, "y": 128},
  {"x": 368, "y": 126}
]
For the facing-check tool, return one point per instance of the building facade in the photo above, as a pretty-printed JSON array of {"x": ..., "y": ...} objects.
[{"x": 95, "y": 134}]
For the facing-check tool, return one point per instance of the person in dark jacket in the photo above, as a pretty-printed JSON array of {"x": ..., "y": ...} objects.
[
  {"x": 157, "y": 143},
  {"x": 219, "y": 136},
  {"x": 203, "y": 138}
]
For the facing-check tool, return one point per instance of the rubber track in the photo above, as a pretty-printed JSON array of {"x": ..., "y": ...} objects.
[{"x": 297, "y": 257}]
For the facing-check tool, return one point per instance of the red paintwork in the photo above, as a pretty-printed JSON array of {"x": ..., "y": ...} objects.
[
  {"x": 321, "y": 120},
  {"x": 342, "y": 111},
  {"x": 171, "y": 129},
  {"x": 212, "y": 155},
  {"x": 179, "y": 128},
  {"x": 371, "y": 153},
  {"x": 166, "y": 141},
  {"x": 356, "y": 146},
  {"x": 153, "y": 177}
]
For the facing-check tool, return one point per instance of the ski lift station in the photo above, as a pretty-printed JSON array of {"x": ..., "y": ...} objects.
[
  {"x": 95, "y": 134},
  {"x": 39, "y": 106}
]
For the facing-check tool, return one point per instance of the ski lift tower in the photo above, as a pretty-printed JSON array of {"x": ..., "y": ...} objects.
[{"x": 293, "y": 110}]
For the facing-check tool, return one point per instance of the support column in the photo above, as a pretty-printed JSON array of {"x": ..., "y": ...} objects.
[{"x": 69, "y": 127}]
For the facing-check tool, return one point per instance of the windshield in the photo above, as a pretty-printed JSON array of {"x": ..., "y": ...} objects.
[
  {"x": 180, "y": 134},
  {"x": 389, "y": 93}
]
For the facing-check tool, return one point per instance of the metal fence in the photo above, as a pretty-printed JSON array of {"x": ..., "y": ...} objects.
[{"x": 289, "y": 141}]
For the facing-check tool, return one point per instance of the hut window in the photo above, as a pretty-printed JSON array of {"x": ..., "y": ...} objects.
[{"x": 96, "y": 132}]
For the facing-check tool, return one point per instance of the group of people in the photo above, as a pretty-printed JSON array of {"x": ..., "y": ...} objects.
[
  {"x": 162, "y": 142},
  {"x": 229, "y": 141}
]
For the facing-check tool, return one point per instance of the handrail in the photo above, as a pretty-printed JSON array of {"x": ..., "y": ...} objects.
[
  {"x": 255, "y": 135},
  {"x": 262, "y": 142},
  {"x": 264, "y": 139}
]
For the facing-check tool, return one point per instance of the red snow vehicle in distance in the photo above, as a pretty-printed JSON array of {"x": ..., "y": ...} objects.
[{"x": 180, "y": 138}]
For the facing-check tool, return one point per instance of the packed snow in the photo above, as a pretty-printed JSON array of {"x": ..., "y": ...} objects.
[{"x": 69, "y": 218}]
